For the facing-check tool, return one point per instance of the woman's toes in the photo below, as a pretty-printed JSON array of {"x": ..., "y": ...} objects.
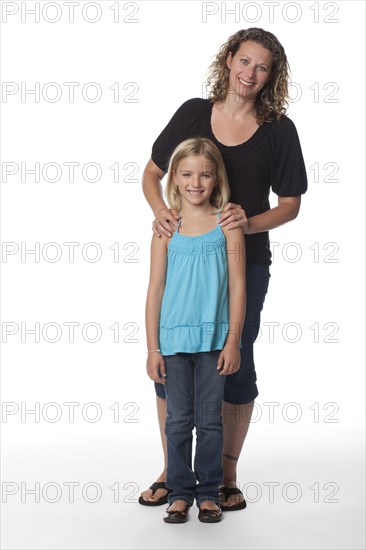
[
  {"x": 159, "y": 493},
  {"x": 146, "y": 495},
  {"x": 234, "y": 499}
]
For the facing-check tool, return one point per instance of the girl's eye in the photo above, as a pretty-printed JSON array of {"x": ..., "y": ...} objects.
[
  {"x": 263, "y": 69},
  {"x": 244, "y": 61}
]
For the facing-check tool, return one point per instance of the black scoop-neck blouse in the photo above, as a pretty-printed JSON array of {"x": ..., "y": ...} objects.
[{"x": 270, "y": 159}]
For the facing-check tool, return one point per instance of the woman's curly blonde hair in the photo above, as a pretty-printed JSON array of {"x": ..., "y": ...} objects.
[{"x": 272, "y": 101}]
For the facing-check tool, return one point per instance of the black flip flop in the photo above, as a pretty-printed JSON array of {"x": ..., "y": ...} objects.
[
  {"x": 154, "y": 487},
  {"x": 227, "y": 491}
]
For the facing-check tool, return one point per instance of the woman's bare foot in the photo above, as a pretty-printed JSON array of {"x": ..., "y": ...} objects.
[
  {"x": 159, "y": 493},
  {"x": 231, "y": 500}
]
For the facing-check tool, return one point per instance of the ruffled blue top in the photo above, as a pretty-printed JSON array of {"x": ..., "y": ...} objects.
[{"x": 194, "y": 313}]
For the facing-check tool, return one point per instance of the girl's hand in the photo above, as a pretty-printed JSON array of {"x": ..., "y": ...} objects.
[
  {"x": 234, "y": 216},
  {"x": 229, "y": 360},
  {"x": 155, "y": 367},
  {"x": 165, "y": 222}
]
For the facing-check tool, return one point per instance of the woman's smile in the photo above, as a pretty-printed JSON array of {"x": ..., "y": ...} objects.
[{"x": 245, "y": 82}]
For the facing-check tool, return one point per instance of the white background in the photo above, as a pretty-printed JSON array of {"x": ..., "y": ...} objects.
[{"x": 307, "y": 435}]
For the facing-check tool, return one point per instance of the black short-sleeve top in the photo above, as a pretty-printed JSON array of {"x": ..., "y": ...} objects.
[{"x": 270, "y": 159}]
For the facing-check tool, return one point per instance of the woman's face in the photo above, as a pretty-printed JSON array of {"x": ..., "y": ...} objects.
[{"x": 249, "y": 68}]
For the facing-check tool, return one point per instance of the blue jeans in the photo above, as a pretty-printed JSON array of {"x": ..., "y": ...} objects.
[
  {"x": 194, "y": 391},
  {"x": 241, "y": 387}
]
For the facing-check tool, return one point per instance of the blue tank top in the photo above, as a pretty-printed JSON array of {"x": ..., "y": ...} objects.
[{"x": 194, "y": 313}]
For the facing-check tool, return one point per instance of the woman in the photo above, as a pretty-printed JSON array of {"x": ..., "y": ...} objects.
[{"x": 245, "y": 117}]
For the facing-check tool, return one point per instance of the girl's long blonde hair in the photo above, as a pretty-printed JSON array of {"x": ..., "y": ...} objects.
[{"x": 196, "y": 147}]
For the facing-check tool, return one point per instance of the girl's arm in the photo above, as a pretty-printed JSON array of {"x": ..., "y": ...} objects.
[
  {"x": 230, "y": 355},
  {"x": 158, "y": 262}
]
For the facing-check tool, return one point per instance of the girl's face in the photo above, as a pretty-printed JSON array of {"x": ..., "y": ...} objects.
[
  {"x": 195, "y": 177},
  {"x": 249, "y": 69}
]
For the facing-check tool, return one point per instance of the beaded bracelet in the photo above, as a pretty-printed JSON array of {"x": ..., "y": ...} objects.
[{"x": 152, "y": 351}]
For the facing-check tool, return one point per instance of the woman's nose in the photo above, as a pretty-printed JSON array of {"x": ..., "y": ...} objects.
[{"x": 249, "y": 71}]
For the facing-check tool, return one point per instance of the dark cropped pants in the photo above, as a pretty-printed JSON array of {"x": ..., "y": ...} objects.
[{"x": 241, "y": 387}]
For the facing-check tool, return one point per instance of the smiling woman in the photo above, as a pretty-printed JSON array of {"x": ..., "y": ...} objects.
[
  {"x": 249, "y": 71},
  {"x": 245, "y": 118},
  {"x": 261, "y": 50}
]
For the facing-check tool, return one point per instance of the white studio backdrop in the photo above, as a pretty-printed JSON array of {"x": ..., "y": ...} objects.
[{"x": 86, "y": 89}]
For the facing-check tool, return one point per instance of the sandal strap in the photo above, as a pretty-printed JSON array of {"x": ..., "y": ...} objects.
[
  {"x": 158, "y": 485},
  {"x": 227, "y": 491}
]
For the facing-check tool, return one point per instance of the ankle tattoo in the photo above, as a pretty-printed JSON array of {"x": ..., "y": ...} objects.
[{"x": 230, "y": 457}]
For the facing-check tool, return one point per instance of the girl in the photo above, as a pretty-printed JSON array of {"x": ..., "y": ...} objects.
[{"x": 194, "y": 319}]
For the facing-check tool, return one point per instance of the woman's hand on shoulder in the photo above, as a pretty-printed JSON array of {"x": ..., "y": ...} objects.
[
  {"x": 234, "y": 216},
  {"x": 165, "y": 222}
]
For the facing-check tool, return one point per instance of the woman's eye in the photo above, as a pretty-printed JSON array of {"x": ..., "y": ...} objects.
[
  {"x": 263, "y": 69},
  {"x": 244, "y": 61}
]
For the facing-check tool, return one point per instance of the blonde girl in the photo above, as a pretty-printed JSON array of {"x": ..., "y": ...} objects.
[{"x": 194, "y": 320}]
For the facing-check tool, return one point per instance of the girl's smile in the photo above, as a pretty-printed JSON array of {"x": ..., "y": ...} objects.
[{"x": 195, "y": 178}]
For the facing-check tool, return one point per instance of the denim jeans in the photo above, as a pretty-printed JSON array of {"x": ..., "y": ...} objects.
[
  {"x": 241, "y": 387},
  {"x": 194, "y": 391}
]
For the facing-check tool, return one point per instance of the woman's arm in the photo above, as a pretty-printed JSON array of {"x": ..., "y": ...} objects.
[
  {"x": 286, "y": 210},
  {"x": 151, "y": 185},
  {"x": 153, "y": 306},
  {"x": 152, "y": 188},
  {"x": 230, "y": 355}
]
